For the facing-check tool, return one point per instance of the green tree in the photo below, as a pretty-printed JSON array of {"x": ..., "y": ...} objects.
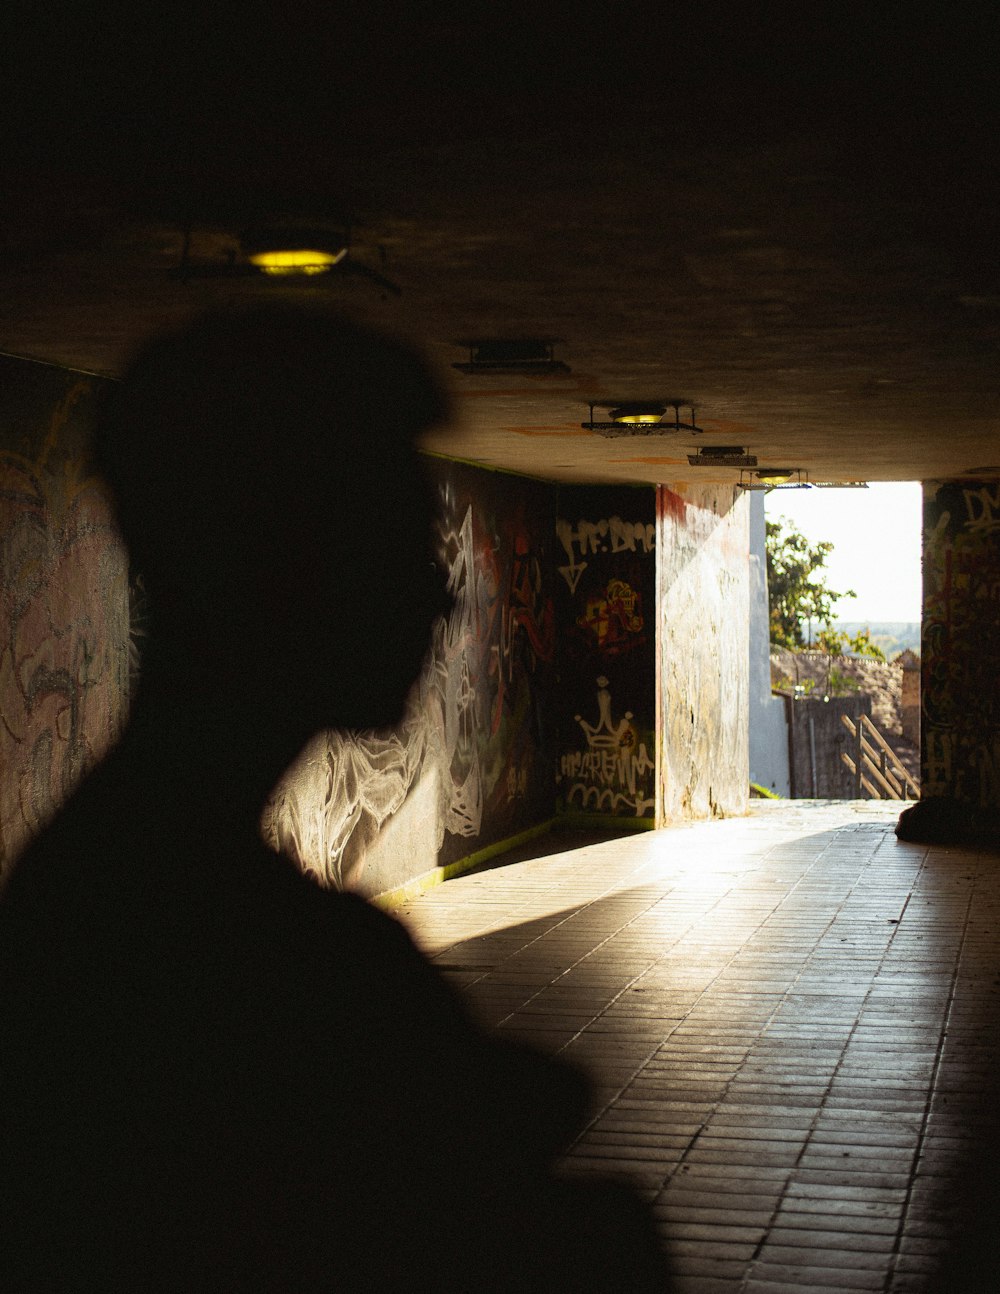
[
  {"x": 798, "y": 594},
  {"x": 836, "y": 641}
]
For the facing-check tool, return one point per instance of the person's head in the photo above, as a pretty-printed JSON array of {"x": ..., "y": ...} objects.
[{"x": 270, "y": 493}]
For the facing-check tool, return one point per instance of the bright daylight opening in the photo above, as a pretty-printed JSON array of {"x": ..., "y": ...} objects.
[{"x": 844, "y": 606}]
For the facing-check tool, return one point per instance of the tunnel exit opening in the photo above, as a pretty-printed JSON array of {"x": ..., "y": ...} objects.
[{"x": 835, "y": 642}]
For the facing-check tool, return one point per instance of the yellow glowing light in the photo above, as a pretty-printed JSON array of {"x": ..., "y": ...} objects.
[
  {"x": 299, "y": 260},
  {"x": 636, "y": 414},
  {"x": 775, "y": 476}
]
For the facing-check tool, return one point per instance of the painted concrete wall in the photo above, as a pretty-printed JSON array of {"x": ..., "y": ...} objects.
[
  {"x": 605, "y": 699},
  {"x": 64, "y": 597},
  {"x": 542, "y": 681},
  {"x": 960, "y": 642},
  {"x": 767, "y": 720},
  {"x": 471, "y": 764},
  {"x": 704, "y": 616}
]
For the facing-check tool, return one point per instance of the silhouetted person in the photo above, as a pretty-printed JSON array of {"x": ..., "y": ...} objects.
[{"x": 216, "y": 1075}]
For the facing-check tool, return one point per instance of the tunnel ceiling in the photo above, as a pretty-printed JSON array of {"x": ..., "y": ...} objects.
[{"x": 790, "y": 227}]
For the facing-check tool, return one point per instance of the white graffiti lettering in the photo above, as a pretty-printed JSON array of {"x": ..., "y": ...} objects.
[
  {"x": 983, "y": 509},
  {"x": 613, "y": 770},
  {"x": 589, "y": 797},
  {"x": 627, "y": 536},
  {"x": 455, "y": 685},
  {"x": 588, "y": 538}
]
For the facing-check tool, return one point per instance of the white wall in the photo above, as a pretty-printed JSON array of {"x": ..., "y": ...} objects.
[{"x": 767, "y": 719}]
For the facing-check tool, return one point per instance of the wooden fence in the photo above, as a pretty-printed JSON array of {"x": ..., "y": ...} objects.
[{"x": 875, "y": 765}]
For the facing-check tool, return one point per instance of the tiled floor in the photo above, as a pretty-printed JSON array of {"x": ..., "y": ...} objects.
[{"x": 789, "y": 1019}]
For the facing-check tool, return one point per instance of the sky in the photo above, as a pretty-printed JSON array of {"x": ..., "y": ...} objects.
[{"x": 876, "y": 539}]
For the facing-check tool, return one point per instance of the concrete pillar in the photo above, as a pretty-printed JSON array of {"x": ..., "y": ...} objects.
[
  {"x": 960, "y": 642},
  {"x": 703, "y": 642}
]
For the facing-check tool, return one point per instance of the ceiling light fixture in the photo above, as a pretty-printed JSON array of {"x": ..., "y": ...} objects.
[
  {"x": 723, "y": 456},
  {"x": 297, "y": 260},
  {"x": 295, "y": 249},
  {"x": 642, "y": 418},
  {"x": 512, "y": 355},
  {"x": 774, "y": 478},
  {"x": 285, "y": 250},
  {"x": 638, "y": 415}
]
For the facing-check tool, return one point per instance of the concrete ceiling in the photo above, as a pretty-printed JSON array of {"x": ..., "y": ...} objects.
[{"x": 791, "y": 227}]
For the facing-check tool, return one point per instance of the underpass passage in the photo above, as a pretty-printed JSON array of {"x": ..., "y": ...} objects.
[{"x": 789, "y": 1021}]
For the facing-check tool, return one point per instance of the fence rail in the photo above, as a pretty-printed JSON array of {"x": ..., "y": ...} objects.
[{"x": 876, "y": 768}]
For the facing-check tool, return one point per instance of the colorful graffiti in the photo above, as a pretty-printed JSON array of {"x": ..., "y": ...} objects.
[
  {"x": 608, "y": 583},
  {"x": 473, "y": 756},
  {"x": 959, "y": 636},
  {"x": 64, "y": 594},
  {"x": 613, "y": 616},
  {"x": 614, "y": 774},
  {"x": 491, "y": 665}
]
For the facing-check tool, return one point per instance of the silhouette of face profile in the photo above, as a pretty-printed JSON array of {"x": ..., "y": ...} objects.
[{"x": 270, "y": 492}]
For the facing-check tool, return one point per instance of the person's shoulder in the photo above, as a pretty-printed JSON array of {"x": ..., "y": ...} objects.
[{"x": 340, "y": 924}]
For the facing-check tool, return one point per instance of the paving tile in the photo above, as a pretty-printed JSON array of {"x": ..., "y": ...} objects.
[
  {"x": 858, "y": 1176},
  {"x": 843, "y": 1241},
  {"x": 738, "y": 1252},
  {"x": 757, "y": 1286},
  {"x": 696, "y": 1231},
  {"x": 817, "y": 1275},
  {"x": 696, "y": 1283},
  {"x": 679, "y": 1215},
  {"x": 819, "y": 1218}
]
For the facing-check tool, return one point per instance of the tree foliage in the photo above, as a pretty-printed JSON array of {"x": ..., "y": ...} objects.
[
  {"x": 798, "y": 594},
  {"x": 835, "y": 642}
]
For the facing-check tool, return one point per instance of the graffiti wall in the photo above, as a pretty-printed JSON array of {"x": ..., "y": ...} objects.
[
  {"x": 960, "y": 641},
  {"x": 471, "y": 764},
  {"x": 606, "y": 694},
  {"x": 704, "y": 616},
  {"x": 64, "y": 588},
  {"x": 543, "y": 689}
]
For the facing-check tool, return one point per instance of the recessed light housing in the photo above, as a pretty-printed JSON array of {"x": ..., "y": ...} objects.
[
  {"x": 722, "y": 456},
  {"x": 774, "y": 478},
  {"x": 284, "y": 250},
  {"x": 642, "y": 418},
  {"x": 512, "y": 355}
]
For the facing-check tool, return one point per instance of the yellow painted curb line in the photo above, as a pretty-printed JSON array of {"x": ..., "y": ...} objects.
[{"x": 402, "y": 894}]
